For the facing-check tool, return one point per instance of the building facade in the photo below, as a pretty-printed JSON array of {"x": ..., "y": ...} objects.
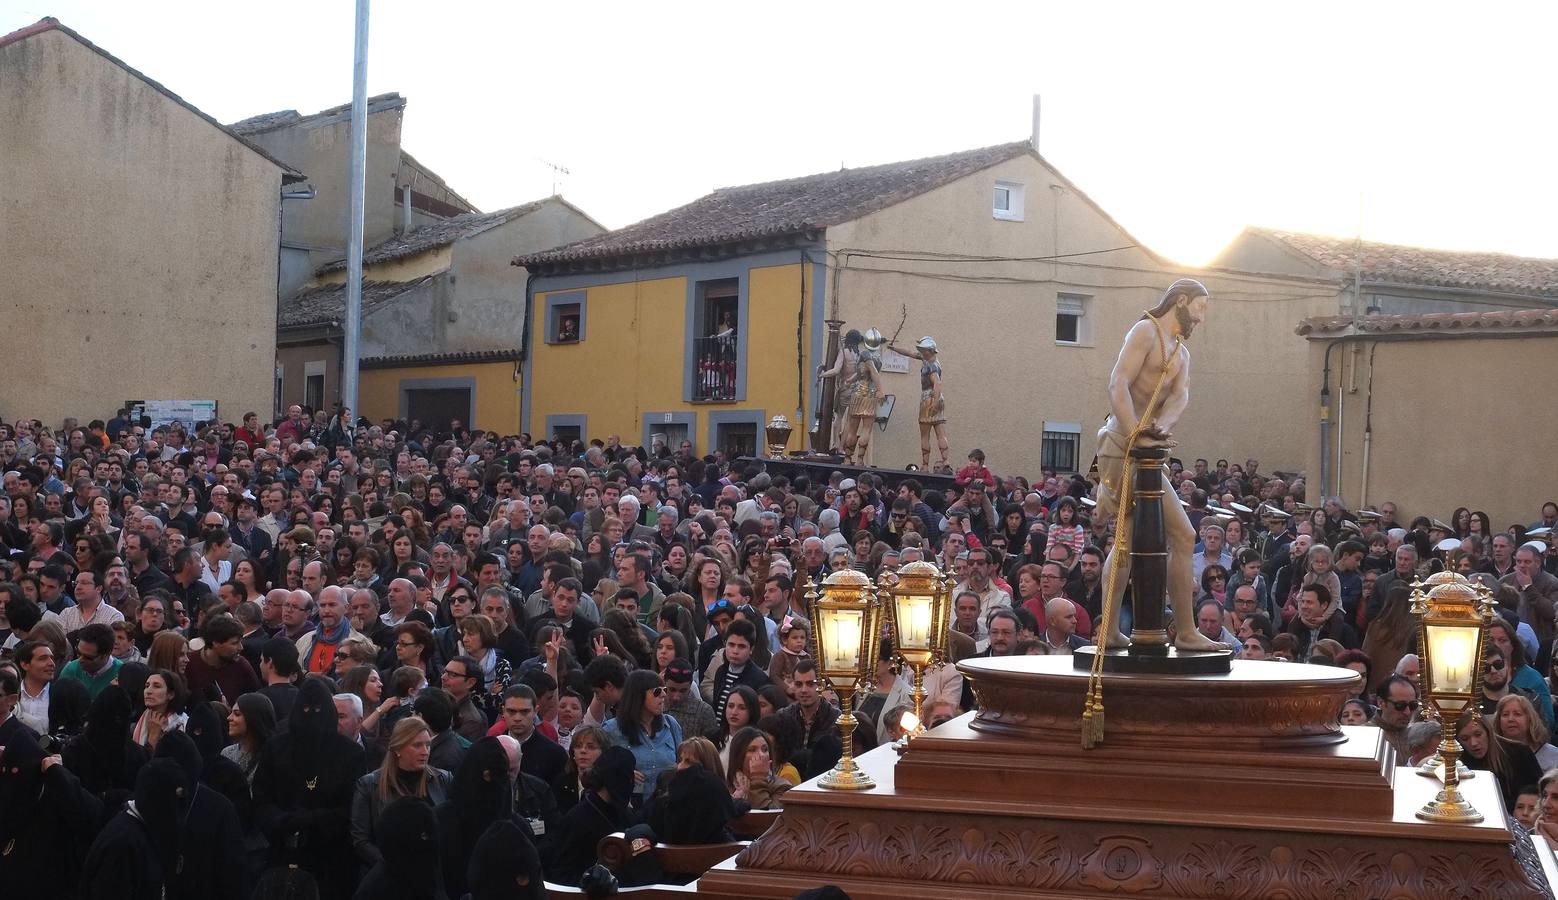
[
  {"x": 138, "y": 237},
  {"x": 437, "y": 300},
  {"x": 1434, "y": 411},
  {"x": 705, "y": 321}
]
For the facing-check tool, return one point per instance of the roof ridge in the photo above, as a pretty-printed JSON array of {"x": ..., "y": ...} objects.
[
  {"x": 877, "y": 167},
  {"x": 453, "y": 229},
  {"x": 254, "y": 121},
  {"x": 1283, "y": 233}
]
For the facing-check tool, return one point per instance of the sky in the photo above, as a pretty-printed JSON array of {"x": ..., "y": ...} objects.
[{"x": 1417, "y": 123}]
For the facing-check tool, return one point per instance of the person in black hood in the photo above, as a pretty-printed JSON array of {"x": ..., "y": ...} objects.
[
  {"x": 212, "y": 863},
  {"x": 408, "y": 870},
  {"x": 46, "y": 822},
  {"x": 303, "y": 791},
  {"x": 602, "y": 809},
  {"x": 479, "y": 796},
  {"x": 132, "y": 680},
  {"x": 141, "y": 843},
  {"x": 103, "y": 756},
  {"x": 694, "y": 810},
  {"x": 208, "y": 729},
  {"x": 505, "y": 865}
]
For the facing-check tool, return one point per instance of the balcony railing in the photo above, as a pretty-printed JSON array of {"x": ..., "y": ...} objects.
[{"x": 715, "y": 368}]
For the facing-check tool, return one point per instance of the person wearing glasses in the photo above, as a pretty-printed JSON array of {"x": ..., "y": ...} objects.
[
  {"x": 1397, "y": 711},
  {"x": 642, "y": 726}
]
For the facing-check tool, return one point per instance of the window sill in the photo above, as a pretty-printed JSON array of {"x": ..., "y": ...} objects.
[
  {"x": 1081, "y": 344},
  {"x": 713, "y": 402},
  {"x": 1007, "y": 217},
  {"x": 565, "y": 343}
]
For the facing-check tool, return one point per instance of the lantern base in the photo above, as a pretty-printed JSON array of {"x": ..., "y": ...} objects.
[
  {"x": 846, "y": 778},
  {"x": 1433, "y": 767},
  {"x": 1157, "y": 662},
  {"x": 1448, "y": 807}
]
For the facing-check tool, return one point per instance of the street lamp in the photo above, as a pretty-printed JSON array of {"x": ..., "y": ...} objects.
[
  {"x": 847, "y": 621},
  {"x": 921, "y": 606},
  {"x": 1453, "y": 619}
]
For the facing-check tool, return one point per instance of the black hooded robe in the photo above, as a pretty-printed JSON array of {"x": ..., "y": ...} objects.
[{"x": 303, "y": 792}]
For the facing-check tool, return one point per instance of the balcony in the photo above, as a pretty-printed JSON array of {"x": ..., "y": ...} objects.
[{"x": 715, "y": 367}]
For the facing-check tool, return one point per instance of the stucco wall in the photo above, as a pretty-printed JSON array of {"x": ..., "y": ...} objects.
[
  {"x": 138, "y": 241},
  {"x": 488, "y": 300},
  {"x": 1456, "y": 422},
  {"x": 320, "y": 149},
  {"x": 294, "y": 361},
  {"x": 1006, "y": 375}
]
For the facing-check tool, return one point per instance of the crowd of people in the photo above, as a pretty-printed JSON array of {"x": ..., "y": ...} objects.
[{"x": 390, "y": 660}]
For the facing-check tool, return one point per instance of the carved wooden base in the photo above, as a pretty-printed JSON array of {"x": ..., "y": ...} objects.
[{"x": 1006, "y": 804}]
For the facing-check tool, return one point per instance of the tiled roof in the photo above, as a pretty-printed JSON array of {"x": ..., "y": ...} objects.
[
  {"x": 49, "y": 23},
  {"x": 436, "y": 234},
  {"x": 438, "y": 359},
  {"x": 326, "y": 304},
  {"x": 1430, "y": 323},
  {"x": 775, "y": 208},
  {"x": 1495, "y": 272},
  {"x": 282, "y": 118}
]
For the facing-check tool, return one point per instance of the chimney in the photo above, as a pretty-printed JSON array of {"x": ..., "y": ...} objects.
[{"x": 1034, "y": 140}]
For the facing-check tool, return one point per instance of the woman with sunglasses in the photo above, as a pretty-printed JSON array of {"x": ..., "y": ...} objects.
[{"x": 642, "y": 726}]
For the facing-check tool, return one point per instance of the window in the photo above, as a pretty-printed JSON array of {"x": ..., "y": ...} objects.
[
  {"x": 567, "y": 433},
  {"x": 565, "y": 318},
  {"x": 314, "y": 384},
  {"x": 1071, "y": 323},
  {"x": 737, "y": 439},
  {"x": 1007, "y": 201},
  {"x": 716, "y": 362},
  {"x": 1061, "y": 446}
]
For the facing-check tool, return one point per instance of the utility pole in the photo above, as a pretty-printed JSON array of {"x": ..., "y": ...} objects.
[{"x": 359, "y": 151}]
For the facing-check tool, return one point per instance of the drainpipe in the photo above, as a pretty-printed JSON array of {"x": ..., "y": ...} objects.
[{"x": 1368, "y": 428}]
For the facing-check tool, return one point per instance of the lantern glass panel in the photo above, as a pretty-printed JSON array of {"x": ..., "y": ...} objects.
[
  {"x": 840, "y": 638},
  {"x": 914, "y": 620},
  {"x": 1452, "y": 651}
]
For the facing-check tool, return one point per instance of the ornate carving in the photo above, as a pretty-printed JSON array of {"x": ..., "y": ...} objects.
[{"x": 1042, "y": 856}]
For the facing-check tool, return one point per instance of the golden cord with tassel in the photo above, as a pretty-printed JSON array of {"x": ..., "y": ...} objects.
[{"x": 1125, "y": 492}]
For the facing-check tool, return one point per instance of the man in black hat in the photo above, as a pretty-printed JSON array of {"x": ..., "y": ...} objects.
[{"x": 684, "y": 705}]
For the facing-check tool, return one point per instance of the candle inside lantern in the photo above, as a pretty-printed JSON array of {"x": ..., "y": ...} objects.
[{"x": 844, "y": 649}]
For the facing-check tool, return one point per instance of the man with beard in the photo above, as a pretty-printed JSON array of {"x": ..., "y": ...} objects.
[
  {"x": 1149, "y": 390},
  {"x": 303, "y": 791}
]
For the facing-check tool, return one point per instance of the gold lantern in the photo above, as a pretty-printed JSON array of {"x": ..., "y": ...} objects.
[
  {"x": 777, "y": 433},
  {"x": 921, "y": 606},
  {"x": 1453, "y": 618},
  {"x": 847, "y": 621}
]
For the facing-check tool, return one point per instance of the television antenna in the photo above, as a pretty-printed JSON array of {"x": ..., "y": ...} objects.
[{"x": 557, "y": 172}]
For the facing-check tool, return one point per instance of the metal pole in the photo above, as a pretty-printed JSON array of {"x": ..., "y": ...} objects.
[{"x": 359, "y": 156}]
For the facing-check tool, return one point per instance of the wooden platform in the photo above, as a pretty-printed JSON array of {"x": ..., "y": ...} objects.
[{"x": 1005, "y": 803}]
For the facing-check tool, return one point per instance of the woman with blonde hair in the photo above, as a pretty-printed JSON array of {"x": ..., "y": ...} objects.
[
  {"x": 404, "y": 773},
  {"x": 1516, "y": 718}
]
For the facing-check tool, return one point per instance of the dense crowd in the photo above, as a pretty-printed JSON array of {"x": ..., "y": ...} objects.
[{"x": 392, "y": 660}]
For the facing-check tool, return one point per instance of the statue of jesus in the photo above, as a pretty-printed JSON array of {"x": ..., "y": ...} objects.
[{"x": 1149, "y": 389}]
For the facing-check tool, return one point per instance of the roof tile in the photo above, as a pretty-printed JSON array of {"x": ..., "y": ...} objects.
[
  {"x": 1496, "y": 272},
  {"x": 1432, "y": 322},
  {"x": 786, "y": 207},
  {"x": 327, "y": 303},
  {"x": 436, "y": 234}
]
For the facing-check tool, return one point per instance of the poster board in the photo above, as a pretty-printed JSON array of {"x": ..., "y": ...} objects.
[{"x": 166, "y": 412}]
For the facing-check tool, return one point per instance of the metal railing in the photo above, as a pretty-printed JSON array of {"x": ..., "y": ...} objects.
[{"x": 715, "y": 368}]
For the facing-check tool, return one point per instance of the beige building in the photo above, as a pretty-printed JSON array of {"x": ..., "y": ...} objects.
[
  {"x": 1436, "y": 411},
  {"x": 400, "y": 194},
  {"x": 1026, "y": 284},
  {"x": 442, "y": 318},
  {"x": 138, "y": 239}
]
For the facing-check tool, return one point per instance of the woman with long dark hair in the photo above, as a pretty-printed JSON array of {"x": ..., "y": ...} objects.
[
  {"x": 1512, "y": 764},
  {"x": 643, "y": 728},
  {"x": 742, "y": 709},
  {"x": 750, "y": 775},
  {"x": 250, "y": 725}
]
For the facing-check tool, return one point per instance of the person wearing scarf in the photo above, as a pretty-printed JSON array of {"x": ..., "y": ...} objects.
[{"x": 316, "y": 649}]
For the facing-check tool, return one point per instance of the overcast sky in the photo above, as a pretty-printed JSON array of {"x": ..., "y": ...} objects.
[{"x": 1184, "y": 123}]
